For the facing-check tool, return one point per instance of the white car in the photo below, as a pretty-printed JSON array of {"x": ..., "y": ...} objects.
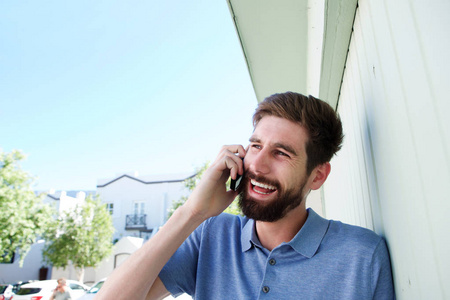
[
  {"x": 96, "y": 287},
  {"x": 6, "y": 291},
  {"x": 93, "y": 290},
  {"x": 42, "y": 290}
]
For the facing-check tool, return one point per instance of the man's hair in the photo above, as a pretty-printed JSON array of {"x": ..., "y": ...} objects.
[
  {"x": 322, "y": 123},
  {"x": 61, "y": 280}
]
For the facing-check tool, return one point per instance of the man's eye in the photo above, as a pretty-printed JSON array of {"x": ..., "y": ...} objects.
[
  {"x": 282, "y": 153},
  {"x": 256, "y": 146}
]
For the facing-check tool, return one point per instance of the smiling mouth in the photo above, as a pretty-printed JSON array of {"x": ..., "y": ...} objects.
[{"x": 261, "y": 188}]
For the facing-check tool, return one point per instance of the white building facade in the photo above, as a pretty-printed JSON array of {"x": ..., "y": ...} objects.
[
  {"x": 33, "y": 265},
  {"x": 383, "y": 65},
  {"x": 140, "y": 205}
]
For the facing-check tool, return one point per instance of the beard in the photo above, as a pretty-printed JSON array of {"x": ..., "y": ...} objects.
[{"x": 277, "y": 208}]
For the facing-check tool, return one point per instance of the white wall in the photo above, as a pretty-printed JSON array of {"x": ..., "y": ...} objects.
[
  {"x": 394, "y": 169},
  {"x": 121, "y": 251},
  {"x": 11, "y": 273},
  {"x": 125, "y": 192}
]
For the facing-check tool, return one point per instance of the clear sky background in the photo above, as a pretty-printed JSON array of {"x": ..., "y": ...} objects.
[{"x": 91, "y": 89}]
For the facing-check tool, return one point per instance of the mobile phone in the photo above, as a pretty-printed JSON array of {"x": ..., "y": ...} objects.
[{"x": 235, "y": 183}]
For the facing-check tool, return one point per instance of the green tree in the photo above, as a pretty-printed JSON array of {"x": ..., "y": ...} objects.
[
  {"x": 192, "y": 182},
  {"x": 82, "y": 237},
  {"x": 23, "y": 216}
]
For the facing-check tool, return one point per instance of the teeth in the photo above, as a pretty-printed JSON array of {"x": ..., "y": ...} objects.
[
  {"x": 256, "y": 191},
  {"x": 264, "y": 186}
]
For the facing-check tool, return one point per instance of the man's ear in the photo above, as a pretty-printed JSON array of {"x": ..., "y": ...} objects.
[{"x": 319, "y": 175}]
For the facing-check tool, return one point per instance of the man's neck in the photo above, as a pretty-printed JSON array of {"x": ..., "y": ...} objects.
[{"x": 272, "y": 234}]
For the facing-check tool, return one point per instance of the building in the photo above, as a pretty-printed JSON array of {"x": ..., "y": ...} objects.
[
  {"x": 65, "y": 200},
  {"x": 139, "y": 204},
  {"x": 13, "y": 272},
  {"x": 383, "y": 65},
  {"x": 120, "y": 252},
  {"x": 33, "y": 265}
]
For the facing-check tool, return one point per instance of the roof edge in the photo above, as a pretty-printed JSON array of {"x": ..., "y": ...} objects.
[
  {"x": 142, "y": 181},
  {"x": 339, "y": 18},
  {"x": 241, "y": 42}
]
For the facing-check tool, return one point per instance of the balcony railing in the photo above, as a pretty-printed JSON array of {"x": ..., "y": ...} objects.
[{"x": 136, "y": 222}]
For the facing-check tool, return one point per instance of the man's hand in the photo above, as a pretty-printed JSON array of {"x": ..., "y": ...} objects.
[{"x": 210, "y": 197}]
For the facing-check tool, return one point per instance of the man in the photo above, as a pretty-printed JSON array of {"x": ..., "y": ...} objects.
[
  {"x": 279, "y": 250},
  {"x": 61, "y": 291}
]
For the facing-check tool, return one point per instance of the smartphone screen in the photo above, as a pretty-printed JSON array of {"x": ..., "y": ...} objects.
[{"x": 235, "y": 183}]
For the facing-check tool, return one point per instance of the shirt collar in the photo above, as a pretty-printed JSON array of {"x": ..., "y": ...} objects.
[
  {"x": 248, "y": 235},
  {"x": 306, "y": 241}
]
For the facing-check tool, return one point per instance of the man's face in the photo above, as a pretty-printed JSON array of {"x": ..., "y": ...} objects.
[
  {"x": 60, "y": 286},
  {"x": 275, "y": 170}
]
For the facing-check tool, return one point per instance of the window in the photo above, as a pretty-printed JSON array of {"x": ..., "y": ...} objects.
[
  {"x": 28, "y": 291},
  {"x": 74, "y": 286},
  {"x": 139, "y": 208},
  {"x": 96, "y": 288},
  {"x": 110, "y": 208},
  {"x": 4, "y": 257}
]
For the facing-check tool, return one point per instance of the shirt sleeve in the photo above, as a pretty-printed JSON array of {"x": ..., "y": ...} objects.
[
  {"x": 382, "y": 283},
  {"x": 179, "y": 273}
]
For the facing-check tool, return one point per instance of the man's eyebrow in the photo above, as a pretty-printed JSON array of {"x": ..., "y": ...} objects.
[
  {"x": 254, "y": 139},
  {"x": 276, "y": 145},
  {"x": 286, "y": 147}
]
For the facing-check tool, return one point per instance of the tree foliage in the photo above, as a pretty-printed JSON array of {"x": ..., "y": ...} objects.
[
  {"x": 23, "y": 216},
  {"x": 192, "y": 182},
  {"x": 81, "y": 237}
]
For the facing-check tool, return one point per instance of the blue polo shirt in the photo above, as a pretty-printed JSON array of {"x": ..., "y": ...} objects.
[{"x": 223, "y": 259}]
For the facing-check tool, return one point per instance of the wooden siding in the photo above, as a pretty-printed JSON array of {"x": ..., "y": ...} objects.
[{"x": 393, "y": 172}]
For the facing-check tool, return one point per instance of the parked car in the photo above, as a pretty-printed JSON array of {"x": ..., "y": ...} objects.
[
  {"x": 5, "y": 291},
  {"x": 93, "y": 290},
  {"x": 42, "y": 290},
  {"x": 18, "y": 284},
  {"x": 96, "y": 287}
]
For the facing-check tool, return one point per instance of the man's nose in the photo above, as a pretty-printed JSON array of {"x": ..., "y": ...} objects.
[{"x": 260, "y": 163}]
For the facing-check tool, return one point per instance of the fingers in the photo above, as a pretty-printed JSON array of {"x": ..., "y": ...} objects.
[
  {"x": 233, "y": 166},
  {"x": 237, "y": 149},
  {"x": 210, "y": 196},
  {"x": 230, "y": 157}
]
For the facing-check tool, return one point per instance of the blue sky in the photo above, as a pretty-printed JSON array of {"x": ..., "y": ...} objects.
[{"x": 91, "y": 89}]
